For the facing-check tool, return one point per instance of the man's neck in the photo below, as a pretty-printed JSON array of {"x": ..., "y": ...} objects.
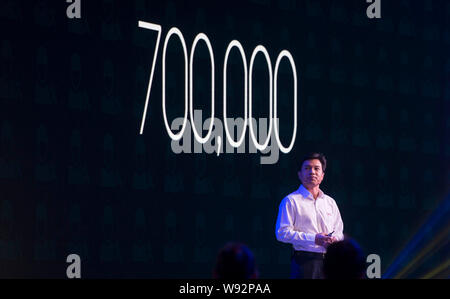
[{"x": 314, "y": 191}]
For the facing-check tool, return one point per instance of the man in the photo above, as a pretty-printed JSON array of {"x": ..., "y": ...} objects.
[{"x": 309, "y": 220}]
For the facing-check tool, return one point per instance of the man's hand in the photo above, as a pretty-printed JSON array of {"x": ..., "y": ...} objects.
[{"x": 323, "y": 240}]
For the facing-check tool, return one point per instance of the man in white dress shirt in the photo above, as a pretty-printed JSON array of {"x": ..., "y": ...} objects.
[{"x": 309, "y": 220}]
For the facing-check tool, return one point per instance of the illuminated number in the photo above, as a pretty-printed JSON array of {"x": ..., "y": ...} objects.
[
  {"x": 237, "y": 44},
  {"x": 157, "y": 28},
  {"x": 269, "y": 65},
  {"x": 248, "y": 90},
  {"x": 177, "y": 32},
  {"x": 201, "y": 36},
  {"x": 285, "y": 53}
]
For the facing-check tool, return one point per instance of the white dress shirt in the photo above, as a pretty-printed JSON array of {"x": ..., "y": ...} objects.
[{"x": 300, "y": 218}]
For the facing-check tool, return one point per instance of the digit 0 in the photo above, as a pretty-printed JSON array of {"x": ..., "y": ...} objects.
[
  {"x": 238, "y": 45},
  {"x": 199, "y": 37},
  {"x": 288, "y": 55},
  {"x": 177, "y": 32},
  {"x": 258, "y": 49}
]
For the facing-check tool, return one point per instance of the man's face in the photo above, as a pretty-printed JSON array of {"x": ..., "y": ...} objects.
[{"x": 311, "y": 173}]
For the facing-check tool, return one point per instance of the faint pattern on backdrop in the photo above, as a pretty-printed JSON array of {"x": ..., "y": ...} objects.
[{"x": 76, "y": 177}]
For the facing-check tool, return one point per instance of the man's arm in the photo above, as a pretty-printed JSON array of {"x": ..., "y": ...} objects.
[{"x": 285, "y": 226}]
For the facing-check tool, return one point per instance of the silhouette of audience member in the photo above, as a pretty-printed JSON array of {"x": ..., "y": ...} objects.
[
  {"x": 344, "y": 260},
  {"x": 235, "y": 261}
]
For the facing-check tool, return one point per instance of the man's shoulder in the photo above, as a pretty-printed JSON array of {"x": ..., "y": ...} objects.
[
  {"x": 291, "y": 197},
  {"x": 328, "y": 197}
]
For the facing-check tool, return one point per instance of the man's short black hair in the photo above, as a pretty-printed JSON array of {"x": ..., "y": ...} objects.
[{"x": 314, "y": 155}]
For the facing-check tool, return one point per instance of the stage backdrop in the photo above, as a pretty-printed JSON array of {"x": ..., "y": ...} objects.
[{"x": 78, "y": 177}]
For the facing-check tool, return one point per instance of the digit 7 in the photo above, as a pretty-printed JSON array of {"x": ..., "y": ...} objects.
[{"x": 154, "y": 27}]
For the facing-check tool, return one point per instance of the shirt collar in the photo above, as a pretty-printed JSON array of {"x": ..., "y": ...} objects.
[{"x": 306, "y": 194}]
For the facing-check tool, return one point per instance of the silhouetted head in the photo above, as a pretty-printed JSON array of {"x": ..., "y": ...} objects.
[
  {"x": 235, "y": 261},
  {"x": 344, "y": 260}
]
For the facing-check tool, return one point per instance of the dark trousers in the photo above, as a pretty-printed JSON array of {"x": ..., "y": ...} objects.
[{"x": 307, "y": 265}]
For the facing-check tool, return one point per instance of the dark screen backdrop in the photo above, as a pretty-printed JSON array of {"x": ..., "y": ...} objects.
[{"x": 77, "y": 177}]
